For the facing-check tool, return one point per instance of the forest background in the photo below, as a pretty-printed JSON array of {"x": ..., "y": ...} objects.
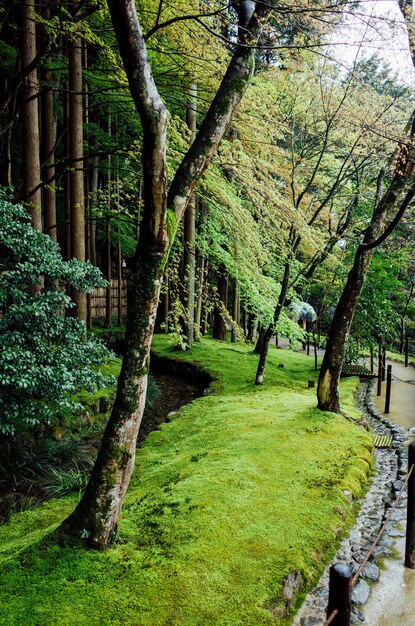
[{"x": 280, "y": 213}]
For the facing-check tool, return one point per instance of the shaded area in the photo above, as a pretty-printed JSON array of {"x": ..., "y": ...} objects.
[{"x": 179, "y": 384}]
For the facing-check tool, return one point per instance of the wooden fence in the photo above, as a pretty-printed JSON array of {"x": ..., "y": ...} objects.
[{"x": 99, "y": 302}]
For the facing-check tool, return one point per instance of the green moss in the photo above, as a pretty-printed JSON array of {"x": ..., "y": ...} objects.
[{"x": 244, "y": 485}]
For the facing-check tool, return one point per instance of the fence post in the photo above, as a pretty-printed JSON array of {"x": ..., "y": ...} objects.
[
  {"x": 410, "y": 514},
  {"x": 388, "y": 389},
  {"x": 406, "y": 350},
  {"x": 383, "y": 362},
  {"x": 340, "y": 594},
  {"x": 380, "y": 366}
]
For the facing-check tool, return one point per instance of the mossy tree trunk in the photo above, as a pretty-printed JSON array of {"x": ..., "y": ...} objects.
[{"x": 95, "y": 518}]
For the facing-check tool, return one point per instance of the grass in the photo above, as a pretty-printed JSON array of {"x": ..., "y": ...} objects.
[{"x": 242, "y": 486}]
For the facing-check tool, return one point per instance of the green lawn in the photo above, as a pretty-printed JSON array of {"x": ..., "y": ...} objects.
[{"x": 239, "y": 488}]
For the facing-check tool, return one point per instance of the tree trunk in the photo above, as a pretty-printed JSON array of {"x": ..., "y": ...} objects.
[
  {"x": 251, "y": 326},
  {"x": 236, "y": 309},
  {"x": 219, "y": 325},
  {"x": 108, "y": 268},
  {"x": 200, "y": 282},
  {"x": 259, "y": 378},
  {"x": 189, "y": 229},
  {"x": 76, "y": 176},
  {"x": 95, "y": 518},
  {"x": 67, "y": 181},
  {"x": 260, "y": 339},
  {"x": 327, "y": 389},
  {"x": 120, "y": 277},
  {"x": 48, "y": 155},
  {"x": 30, "y": 116}
]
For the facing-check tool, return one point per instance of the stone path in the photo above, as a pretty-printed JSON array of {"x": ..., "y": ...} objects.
[{"x": 390, "y": 473}]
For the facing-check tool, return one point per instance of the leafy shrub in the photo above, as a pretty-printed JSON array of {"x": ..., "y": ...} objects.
[{"x": 45, "y": 356}]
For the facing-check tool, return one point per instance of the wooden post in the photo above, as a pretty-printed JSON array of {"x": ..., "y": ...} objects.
[
  {"x": 410, "y": 515},
  {"x": 388, "y": 389},
  {"x": 340, "y": 594},
  {"x": 383, "y": 363},
  {"x": 315, "y": 355},
  {"x": 308, "y": 344},
  {"x": 406, "y": 351},
  {"x": 380, "y": 365},
  {"x": 372, "y": 367}
]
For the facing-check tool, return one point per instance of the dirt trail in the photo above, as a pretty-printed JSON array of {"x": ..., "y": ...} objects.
[{"x": 392, "y": 601}]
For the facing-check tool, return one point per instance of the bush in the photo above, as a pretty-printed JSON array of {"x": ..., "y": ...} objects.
[{"x": 45, "y": 356}]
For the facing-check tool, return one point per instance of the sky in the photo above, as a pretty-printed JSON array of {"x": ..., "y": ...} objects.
[{"x": 377, "y": 28}]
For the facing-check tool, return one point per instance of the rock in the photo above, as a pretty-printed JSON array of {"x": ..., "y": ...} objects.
[
  {"x": 360, "y": 593},
  {"x": 371, "y": 572},
  {"x": 291, "y": 587},
  {"x": 356, "y": 616},
  {"x": 170, "y": 416}
]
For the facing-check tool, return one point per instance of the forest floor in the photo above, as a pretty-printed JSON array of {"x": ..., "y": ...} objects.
[
  {"x": 236, "y": 501},
  {"x": 23, "y": 491}
]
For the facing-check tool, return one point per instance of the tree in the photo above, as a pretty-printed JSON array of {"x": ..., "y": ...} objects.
[
  {"x": 45, "y": 356},
  {"x": 96, "y": 516},
  {"x": 400, "y": 190},
  {"x": 30, "y": 114}
]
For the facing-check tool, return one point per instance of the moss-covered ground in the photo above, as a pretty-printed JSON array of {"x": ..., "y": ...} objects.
[{"x": 242, "y": 486}]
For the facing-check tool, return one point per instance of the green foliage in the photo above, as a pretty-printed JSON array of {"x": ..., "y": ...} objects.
[
  {"x": 221, "y": 507},
  {"x": 46, "y": 356}
]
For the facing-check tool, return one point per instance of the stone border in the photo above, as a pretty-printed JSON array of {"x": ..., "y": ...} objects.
[{"x": 390, "y": 473}]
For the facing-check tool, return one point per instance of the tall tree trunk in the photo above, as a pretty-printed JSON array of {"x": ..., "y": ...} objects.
[
  {"x": 327, "y": 389},
  {"x": 48, "y": 155},
  {"x": 76, "y": 177},
  {"x": 251, "y": 326},
  {"x": 189, "y": 228},
  {"x": 200, "y": 282},
  {"x": 30, "y": 116},
  {"x": 219, "y": 324},
  {"x": 96, "y": 515},
  {"x": 236, "y": 309},
  {"x": 67, "y": 180}
]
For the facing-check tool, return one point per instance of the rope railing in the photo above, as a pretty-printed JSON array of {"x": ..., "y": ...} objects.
[{"x": 354, "y": 578}]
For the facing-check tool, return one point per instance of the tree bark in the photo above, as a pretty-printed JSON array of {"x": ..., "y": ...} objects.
[
  {"x": 30, "y": 116},
  {"x": 76, "y": 176},
  {"x": 236, "y": 309},
  {"x": 200, "y": 282},
  {"x": 189, "y": 229},
  {"x": 95, "y": 518},
  {"x": 48, "y": 156}
]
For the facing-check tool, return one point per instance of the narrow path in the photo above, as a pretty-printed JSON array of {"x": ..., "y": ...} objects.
[
  {"x": 392, "y": 601},
  {"x": 402, "y": 406},
  {"x": 390, "y": 471}
]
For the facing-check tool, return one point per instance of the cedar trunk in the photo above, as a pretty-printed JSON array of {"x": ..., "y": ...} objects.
[
  {"x": 30, "y": 116},
  {"x": 76, "y": 176},
  {"x": 219, "y": 325}
]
